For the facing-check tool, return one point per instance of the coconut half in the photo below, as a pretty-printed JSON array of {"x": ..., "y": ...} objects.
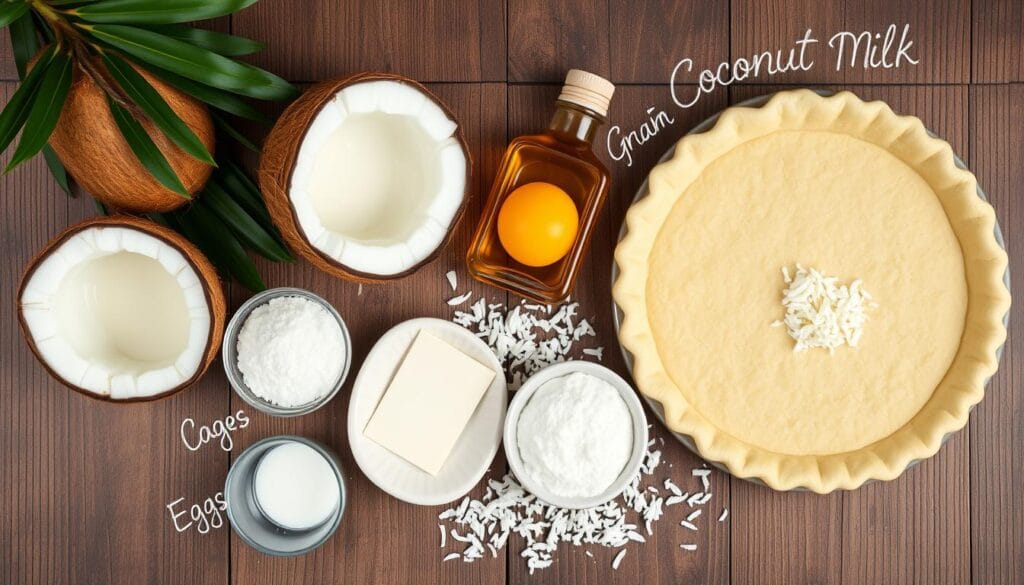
[
  {"x": 366, "y": 177},
  {"x": 122, "y": 308}
]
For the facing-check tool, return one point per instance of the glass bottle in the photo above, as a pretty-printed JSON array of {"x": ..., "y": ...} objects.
[{"x": 561, "y": 156}]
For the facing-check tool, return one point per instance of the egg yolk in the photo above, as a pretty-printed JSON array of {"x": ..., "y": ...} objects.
[{"x": 537, "y": 224}]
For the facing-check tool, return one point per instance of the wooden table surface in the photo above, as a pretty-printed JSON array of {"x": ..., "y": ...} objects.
[{"x": 84, "y": 484}]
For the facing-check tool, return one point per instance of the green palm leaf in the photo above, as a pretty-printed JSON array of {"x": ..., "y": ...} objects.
[
  {"x": 205, "y": 229},
  {"x": 145, "y": 150},
  {"x": 60, "y": 174},
  {"x": 16, "y": 113},
  {"x": 24, "y": 42},
  {"x": 45, "y": 110},
  {"x": 245, "y": 227},
  {"x": 157, "y": 11},
  {"x": 242, "y": 189},
  {"x": 146, "y": 97},
  {"x": 210, "y": 95},
  {"x": 11, "y": 11},
  {"x": 218, "y": 42},
  {"x": 193, "y": 62},
  {"x": 233, "y": 132}
]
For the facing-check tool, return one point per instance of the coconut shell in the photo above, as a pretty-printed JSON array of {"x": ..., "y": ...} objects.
[
  {"x": 277, "y": 162},
  {"x": 204, "y": 270},
  {"x": 91, "y": 146}
]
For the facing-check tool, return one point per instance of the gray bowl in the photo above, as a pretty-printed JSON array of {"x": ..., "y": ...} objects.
[
  {"x": 229, "y": 353},
  {"x": 252, "y": 526}
]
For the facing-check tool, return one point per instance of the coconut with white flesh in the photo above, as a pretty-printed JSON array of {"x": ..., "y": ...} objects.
[
  {"x": 366, "y": 177},
  {"x": 122, "y": 308}
]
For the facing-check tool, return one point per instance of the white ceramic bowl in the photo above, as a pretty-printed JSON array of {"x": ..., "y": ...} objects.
[
  {"x": 522, "y": 397},
  {"x": 472, "y": 453}
]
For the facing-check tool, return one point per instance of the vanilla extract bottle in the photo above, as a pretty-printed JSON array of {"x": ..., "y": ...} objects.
[{"x": 546, "y": 199}]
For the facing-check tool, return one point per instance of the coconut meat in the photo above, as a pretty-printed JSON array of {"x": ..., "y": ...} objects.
[
  {"x": 118, "y": 312},
  {"x": 379, "y": 177}
]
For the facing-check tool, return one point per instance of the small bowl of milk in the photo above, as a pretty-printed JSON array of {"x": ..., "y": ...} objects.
[{"x": 285, "y": 495}]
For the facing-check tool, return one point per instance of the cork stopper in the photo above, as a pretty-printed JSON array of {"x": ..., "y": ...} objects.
[{"x": 588, "y": 90}]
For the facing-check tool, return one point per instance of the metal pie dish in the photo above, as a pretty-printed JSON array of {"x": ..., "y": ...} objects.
[
  {"x": 617, "y": 314},
  {"x": 229, "y": 353},
  {"x": 522, "y": 398},
  {"x": 252, "y": 526}
]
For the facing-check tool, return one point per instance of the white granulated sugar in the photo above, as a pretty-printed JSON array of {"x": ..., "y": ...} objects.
[
  {"x": 820, "y": 313},
  {"x": 527, "y": 337},
  {"x": 291, "y": 351},
  {"x": 575, "y": 435},
  {"x": 507, "y": 509}
]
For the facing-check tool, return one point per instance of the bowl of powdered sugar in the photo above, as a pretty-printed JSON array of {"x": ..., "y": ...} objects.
[
  {"x": 286, "y": 351},
  {"x": 575, "y": 434}
]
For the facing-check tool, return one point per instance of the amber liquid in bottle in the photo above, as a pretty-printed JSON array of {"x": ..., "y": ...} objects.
[{"x": 562, "y": 156}]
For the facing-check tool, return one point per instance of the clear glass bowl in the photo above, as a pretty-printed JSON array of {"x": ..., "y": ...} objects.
[{"x": 229, "y": 353}]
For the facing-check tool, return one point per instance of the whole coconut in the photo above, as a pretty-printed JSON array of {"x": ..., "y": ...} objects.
[{"x": 91, "y": 146}]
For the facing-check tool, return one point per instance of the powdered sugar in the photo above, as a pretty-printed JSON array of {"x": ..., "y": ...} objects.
[
  {"x": 575, "y": 435},
  {"x": 290, "y": 351}
]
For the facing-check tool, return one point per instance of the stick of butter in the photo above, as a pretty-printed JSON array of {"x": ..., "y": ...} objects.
[{"x": 428, "y": 403}]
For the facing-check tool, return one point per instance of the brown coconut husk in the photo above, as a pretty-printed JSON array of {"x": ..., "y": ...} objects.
[
  {"x": 277, "y": 162},
  {"x": 204, "y": 270},
  {"x": 93, "y": 150}
]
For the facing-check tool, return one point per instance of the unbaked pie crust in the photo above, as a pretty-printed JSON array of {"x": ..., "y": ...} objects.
[{"x": 852, "y": 189}]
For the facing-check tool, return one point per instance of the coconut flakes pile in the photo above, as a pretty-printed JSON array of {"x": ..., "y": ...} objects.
[
  {"x": 484, "y": 526},
  {"x": 820, "y": 313},
  {"x": 528, "y": 337}
]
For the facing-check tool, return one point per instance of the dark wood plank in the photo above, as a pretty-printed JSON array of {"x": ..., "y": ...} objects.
[
  {"x": 380, "y": 538},
  {"x": 85, "y": 483},
  {"x": 8, "y": 72},
  {"x": 646, "y": 39},
  {"x": 916, "y": 526},
  {"x": 785, "y": 537},
  {"x": 997, "y": 41},
  {"x": 940, "y": 33},
  {"x": 659, "y": 560},
  {"x": 997, "y": 435},
  {"x": 310, "y": 40},
  {"x": 546, "y": 39}
]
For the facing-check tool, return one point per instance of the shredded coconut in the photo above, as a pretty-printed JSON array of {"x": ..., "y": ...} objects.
[
  {"x": 820, "y": 313},
  {"x": 507, "y": 509},
  {"x": 528, "y": 337},
  {"x": 290, "y": 351}
]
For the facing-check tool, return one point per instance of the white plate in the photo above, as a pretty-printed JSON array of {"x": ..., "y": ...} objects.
[{"x": 474, "y": 450}]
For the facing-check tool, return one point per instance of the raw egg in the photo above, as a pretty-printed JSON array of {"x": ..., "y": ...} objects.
[{"x": 537, "y": 224}]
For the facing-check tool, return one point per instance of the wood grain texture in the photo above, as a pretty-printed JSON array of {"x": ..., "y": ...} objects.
[
  {"x": 448, "y": 40},
  {"x": 998, "y": 41},
  {"x": 545, "y": 39},
  {"x": 647, "y": 38},
  {"x": 660, "y": 559},
  {"x": 84, "y": 485},
  {"x": 381, "y": 539},
  {"x": 997, "y": 430},
  {"x": 940, "y": 32},
  {"x": 8, "y": 71}
]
